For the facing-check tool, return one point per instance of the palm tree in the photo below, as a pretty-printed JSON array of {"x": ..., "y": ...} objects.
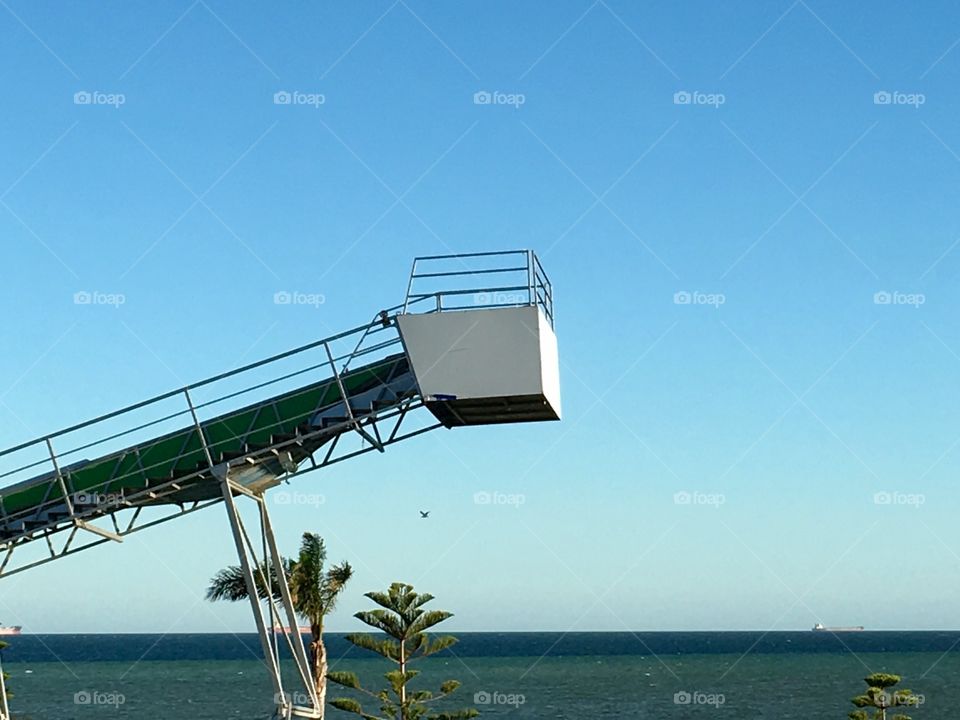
[{"x": 313, "y": 590}]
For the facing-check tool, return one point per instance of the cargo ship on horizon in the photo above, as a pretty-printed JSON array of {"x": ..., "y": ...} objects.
[
  {"x": 304, "y": 629},
  {"x": 820, "y": 627},
  {"x": 7, "y": 630}
]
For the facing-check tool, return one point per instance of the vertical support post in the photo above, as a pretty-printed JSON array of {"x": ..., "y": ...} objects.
[
  {"x": 531, "y": 283},
  {"x": 406, "y": 299},
  {"x": 269, "y": 563},
  {"x": 63, "y": 485},
  {"x": 4, "y": 707},
  {"x": 336, "y": 375},
  {"x": 199, "y": 427},
  {"x": 296, "y": 640},
  {"x": 236, "y": 527},
  {"x": 287, "y": 707}
]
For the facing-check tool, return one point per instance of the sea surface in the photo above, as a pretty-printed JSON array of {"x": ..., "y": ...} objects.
[{"x": 668, "y": 675}]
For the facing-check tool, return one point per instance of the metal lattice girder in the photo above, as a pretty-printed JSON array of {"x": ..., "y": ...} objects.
[
  {"x": 248, "y": 432},
  {"x": 136, "y": 513}
]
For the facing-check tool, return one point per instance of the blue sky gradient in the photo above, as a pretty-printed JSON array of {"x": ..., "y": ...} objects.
[{"x": 794, "y": 198}]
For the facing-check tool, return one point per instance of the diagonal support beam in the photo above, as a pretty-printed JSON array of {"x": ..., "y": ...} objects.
[
  {"x": 346, "y": 404},
  {"x": 98, "y": 531},
  {"x": 286, "y": 709}
]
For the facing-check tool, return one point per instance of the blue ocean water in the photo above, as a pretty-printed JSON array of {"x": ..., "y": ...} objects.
[{"x": 782, "y": 675}]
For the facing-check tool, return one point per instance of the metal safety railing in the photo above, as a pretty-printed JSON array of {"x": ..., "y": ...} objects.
[{"x": 512, "y": 278}]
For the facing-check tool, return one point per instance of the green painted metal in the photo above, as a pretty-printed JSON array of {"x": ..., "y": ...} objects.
[{"x": 181, "y": 453}]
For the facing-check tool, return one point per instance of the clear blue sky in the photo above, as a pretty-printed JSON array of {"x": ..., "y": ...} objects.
[{"x": 797, "y": 199}]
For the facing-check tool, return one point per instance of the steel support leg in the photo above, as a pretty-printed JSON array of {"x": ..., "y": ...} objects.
[
  {"x": 301, "y": 702},
  {"x": 4, "y": 708}
]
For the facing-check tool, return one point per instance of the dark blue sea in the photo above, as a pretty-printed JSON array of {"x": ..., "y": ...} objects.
[{"x": 656, "y": 675}]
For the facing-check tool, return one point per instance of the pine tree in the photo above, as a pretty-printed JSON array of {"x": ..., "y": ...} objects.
[
  {"x": 404, "y": 621},
  {"x": 878, "y": 697}
]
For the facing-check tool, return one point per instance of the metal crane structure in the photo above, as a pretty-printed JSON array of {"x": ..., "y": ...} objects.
[{"x": 472, "y": 343}]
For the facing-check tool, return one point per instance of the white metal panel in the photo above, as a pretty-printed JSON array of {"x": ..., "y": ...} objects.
[
  {"x": 484, "y": 354},
  {"x": 549, "y": 364}
]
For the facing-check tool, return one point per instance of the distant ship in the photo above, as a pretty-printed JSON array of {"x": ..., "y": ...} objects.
[
  {"x": 820, "y": 627},
  {"x": 10, "y": 630},
  {"x": 304, "y": 629}
]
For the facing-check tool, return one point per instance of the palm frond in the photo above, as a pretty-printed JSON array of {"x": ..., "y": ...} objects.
[{"x": 230, "y": 583}]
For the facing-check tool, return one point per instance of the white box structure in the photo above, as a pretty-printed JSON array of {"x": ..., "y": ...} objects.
[{"x": 480, "y": 367}]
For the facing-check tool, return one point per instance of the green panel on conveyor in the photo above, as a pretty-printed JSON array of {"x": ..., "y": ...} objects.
[{"x": 181, "y": 452}]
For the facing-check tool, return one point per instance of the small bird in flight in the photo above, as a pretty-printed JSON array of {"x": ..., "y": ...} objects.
[{"x": 424, "y": 515}]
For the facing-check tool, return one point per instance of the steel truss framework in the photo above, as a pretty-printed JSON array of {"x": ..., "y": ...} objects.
[
  {"x": 125, "y": 515},
  {"x": 270, "y": 626}
]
